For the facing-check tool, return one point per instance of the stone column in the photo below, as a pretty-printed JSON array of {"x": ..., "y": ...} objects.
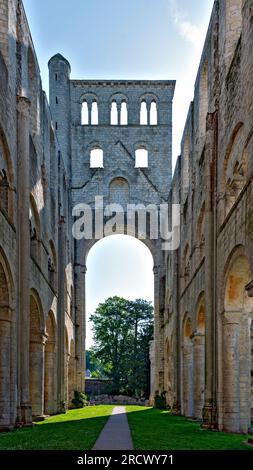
[
  {"x": 177, "y": 356},
  {"x": 23, "y": 126},
  {"x": 61, "y": 404},
  {"x": 148, "y": 112},
  {"x": 199, "y": 373},
  {"x": 119, "y": 113},
  {"x": 188, "y": 389},
  {"x": 210, "y": 409},
  {"x": 158, "y": 332},
  {"x": 89, "y": 104},
  {"x": 245, "y": 373},
  {"x": 231, "y": 371},
  {"x": 80, "y": 272},
  {"x": 5, "y": 372},
  {"x": 37, "y": 370},
  {"x": 49, "y": 381}
]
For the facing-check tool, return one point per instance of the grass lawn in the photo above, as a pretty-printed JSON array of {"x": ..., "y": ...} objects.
[
  {"x": 75, "y": 430},
  {"x": 153, "y": 429}
]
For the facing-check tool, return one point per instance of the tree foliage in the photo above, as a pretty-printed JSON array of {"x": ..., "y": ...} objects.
[{"x": 122, "y": 332}]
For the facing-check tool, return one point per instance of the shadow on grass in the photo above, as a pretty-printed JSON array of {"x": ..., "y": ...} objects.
[
  {"x": 154, "y": 429},
  {"x": 75, "y": 430},
  {"x": 151, "y": 429}
]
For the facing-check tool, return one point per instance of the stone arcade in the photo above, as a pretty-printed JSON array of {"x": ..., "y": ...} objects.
[{"x": 113, "y": 139}]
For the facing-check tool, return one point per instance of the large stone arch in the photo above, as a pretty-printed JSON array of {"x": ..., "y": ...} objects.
[
  {"x": 36, "y": 354},
  {"x": 50, "y": 403},
  {"x": 7, "y": 322},
  {"x": 236, "y": 352}
]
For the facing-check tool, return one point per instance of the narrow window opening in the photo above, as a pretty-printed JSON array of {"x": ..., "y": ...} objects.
[
  {"x": 96, "y": 158},
  {"x": 153, "y": 114},
  {"x": 56, "y": 77},
  {"x": 85, "y": 114},
  {"x": 56, "y": 100},
  {"x": 56, "y": 125},
  {"x": 94, "y": 113},
  {"x": 144, "y": 114},
  {"x": 114, "y": 114},
  {"x": 141, "y": 158},
  {"x": 124, "y": 114}
]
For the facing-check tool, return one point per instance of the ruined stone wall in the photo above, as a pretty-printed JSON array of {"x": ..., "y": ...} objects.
[
  {"x": 32, "y": 192},
  {"x": 209, "y": 279}
]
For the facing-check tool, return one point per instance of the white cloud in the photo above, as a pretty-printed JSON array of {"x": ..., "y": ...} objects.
[{"x": 192, "y": 33}]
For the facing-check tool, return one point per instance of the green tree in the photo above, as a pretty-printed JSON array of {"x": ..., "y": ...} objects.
[
  {"x": 95, "y": 366},
  {"x": 122, "y": 331}
]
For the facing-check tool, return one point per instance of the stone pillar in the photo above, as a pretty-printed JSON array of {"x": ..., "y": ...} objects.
[
  {"x": 23, "y": 126},
  {"x": 231, "y": 371},
  {"x": 199, "y": 373},
  {"x": 210, "y": 408},
  {"x": 148, "y": 112},
  {"x": 119, "y": 113},
  {"x": 80, "y": 272},
  {"x": 158, "y": 332},
  {"x": 61, "y": 404},
  {"x": 5, "y": 372},
  {"x": 177, "y": 356},
  {"x": 66, "y": 378},
  {"x": 245, "y": 373},
  {"x": 89, "y": 104},
  {"x": 37, "y": 368},
  {"x": 49, "y": 381},
  {"x": 188, "y": 389}
]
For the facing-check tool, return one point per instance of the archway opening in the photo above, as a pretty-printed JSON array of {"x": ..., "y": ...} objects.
[
  {"x": 237, "y": 354},
  {"x": 122, "y": 266}
]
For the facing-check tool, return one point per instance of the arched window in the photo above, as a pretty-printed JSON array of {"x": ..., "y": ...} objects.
[
  {"x": 144, "y": 114},
  {"x": 94, "y": 113},
  {"x": 85, "y": 114},
  {"x": 96, "y": 158},
  {"x": 114, "y": 114},
  {"x": 141, "y": 158},
  {"x": 153, "y": 114},
  {"x": 124, "y": 114}
]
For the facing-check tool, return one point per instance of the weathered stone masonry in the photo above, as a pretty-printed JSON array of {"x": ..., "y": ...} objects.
[
  {"x": 45, "y": 170},
  {"x": 209, "y": 308},
  {"x": 202, "y": 350}
]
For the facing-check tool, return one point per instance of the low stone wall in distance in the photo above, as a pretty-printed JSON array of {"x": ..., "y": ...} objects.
[
  {"x": 95, "y": 387},
  {"x": 117, "y": 400}
]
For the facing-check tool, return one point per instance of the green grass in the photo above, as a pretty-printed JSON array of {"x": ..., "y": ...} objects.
[
  {"x": 154, "y": 429},
  {"x": 151, "y": 429},
  {"x": 75, "y": 430}
]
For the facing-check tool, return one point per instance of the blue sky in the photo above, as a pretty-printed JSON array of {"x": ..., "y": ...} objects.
[{"x": 127, "y": 39}]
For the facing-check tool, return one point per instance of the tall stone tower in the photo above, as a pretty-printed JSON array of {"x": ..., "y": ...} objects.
[{"x": 116, "y": 140}]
